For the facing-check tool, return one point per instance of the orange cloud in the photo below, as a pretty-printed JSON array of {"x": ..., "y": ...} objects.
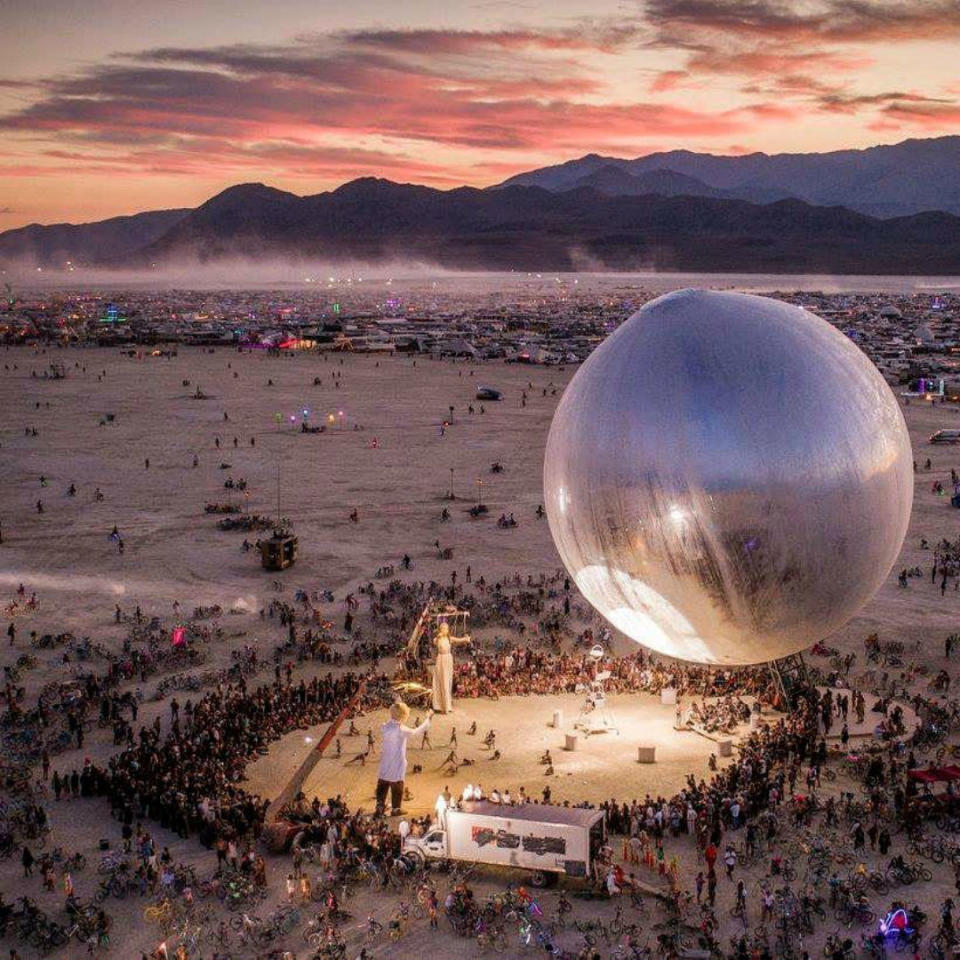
[{"x": 289, "y": 108}]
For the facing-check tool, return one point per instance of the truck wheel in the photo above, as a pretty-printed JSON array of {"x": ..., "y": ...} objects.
[{"x": 539, "y": 878}]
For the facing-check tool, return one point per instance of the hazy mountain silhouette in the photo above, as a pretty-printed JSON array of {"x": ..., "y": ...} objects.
[
  {"x": 529, "y": 228},
  {"x": 55, "y": 244},
  {"x": 614, "y": 181},
  {"x": 885, "y": 181},
  {"x": 590, "y": 214}
]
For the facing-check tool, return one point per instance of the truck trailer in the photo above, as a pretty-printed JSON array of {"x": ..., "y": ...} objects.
[{"x": 545, "y": 840}]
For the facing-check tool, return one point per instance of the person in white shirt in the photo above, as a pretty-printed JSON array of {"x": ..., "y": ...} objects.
[
  {"x": 468, "y": 792},
  {"x": 393, "y": 756}
]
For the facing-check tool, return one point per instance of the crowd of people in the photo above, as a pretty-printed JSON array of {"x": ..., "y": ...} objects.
[
  {"x": 523, "y": 670},
  {"x": 188, "y": 780},
  {"x": 186, "y": 774}
]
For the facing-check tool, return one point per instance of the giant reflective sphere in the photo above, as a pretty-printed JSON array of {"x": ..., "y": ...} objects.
[{"x": 728, "y": 479}]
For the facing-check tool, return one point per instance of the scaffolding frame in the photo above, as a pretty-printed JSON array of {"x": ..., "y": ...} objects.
[{"x": 790, "y": 677}]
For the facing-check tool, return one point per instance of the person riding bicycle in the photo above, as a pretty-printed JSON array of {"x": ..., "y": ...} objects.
[
  {"x": 842, "y": 948},
  {"x": 72, "y": 905},
  {"x": 333, "y": 907},
  {"x": 523, "y": 895},
  {"x": 946, "y": 921}
]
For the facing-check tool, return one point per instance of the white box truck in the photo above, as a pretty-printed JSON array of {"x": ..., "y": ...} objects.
[{"x": 547, "y": 841}]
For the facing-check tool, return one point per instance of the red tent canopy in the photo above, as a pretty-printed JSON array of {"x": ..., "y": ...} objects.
[{"x": 935, "y": 774}]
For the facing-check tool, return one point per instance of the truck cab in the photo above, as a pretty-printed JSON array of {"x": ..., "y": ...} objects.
[{"x": 432, "y": 844}]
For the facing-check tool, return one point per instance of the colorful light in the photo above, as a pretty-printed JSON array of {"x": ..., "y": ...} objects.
[{"x": 896, "y": 922}]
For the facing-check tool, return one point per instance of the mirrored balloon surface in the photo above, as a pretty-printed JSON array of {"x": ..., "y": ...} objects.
[{"x": 728, "y": 478}]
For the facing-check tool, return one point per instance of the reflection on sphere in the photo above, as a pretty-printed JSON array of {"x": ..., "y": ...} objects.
[{"x": 727, "y": 478}]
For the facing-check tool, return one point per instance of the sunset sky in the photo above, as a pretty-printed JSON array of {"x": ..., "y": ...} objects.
[{"x": 115, "y": 106}]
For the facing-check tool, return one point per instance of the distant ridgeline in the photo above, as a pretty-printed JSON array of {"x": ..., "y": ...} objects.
[{"x": 890, "y": 210}]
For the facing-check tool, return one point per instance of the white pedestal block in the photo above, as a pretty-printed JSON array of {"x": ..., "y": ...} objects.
[
  {"x": 557, "y": 719},
  {"x": 668, "y": 695},
  {"x": 646, "y": 754},
  {"x": 724, "y": 748},
  {"x": 571, "y": 741}
]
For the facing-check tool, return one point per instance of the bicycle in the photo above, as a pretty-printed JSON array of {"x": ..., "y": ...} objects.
[
  {"x": 159, "y": 912},
  {"x": 74, "y": 863},
  {"x": 374, "y": 928},
  {"x": 111, "y": 862},
  {"x": 490, "y": 936},
  {"x": 399, "y": 921},
  {"x": 247, "y": 926}
]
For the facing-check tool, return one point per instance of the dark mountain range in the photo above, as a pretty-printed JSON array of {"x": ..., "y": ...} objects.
[
  {"x": 885, "y": 181},
  {"x": 615, "y": 219},
  {"x": 58, "y": 243},
  {"x": 528, "y": 228}
]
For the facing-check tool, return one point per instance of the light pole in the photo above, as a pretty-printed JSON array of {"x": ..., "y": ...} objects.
[
  {"x": 479, "y": 492},
  {"x": 450, "y": 491},
  {"x": 340, "y": 415}
]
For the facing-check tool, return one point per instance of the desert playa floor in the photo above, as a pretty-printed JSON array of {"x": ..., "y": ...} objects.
[{"x": 174, "y": 552}]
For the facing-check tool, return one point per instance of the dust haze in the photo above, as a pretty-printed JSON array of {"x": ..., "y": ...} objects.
[{"x": 590, "y": 275}]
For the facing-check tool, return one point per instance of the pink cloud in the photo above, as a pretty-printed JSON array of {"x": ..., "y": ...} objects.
[
  {"x": 928, "y": 115},
  {"x": 668, "y": 80},
  {"x": 287, "y": 109},
  {"x": 449, "y": 106}
]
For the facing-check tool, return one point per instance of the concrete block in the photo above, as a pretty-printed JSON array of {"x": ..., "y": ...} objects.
[
  {"x": 646, "y": 754},
  {"x": 668, "y": 695},
  {"x": 571, "y": 741}
]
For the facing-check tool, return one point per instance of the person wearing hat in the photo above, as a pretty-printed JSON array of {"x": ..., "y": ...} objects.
[{"x": 393, "y": 755}]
